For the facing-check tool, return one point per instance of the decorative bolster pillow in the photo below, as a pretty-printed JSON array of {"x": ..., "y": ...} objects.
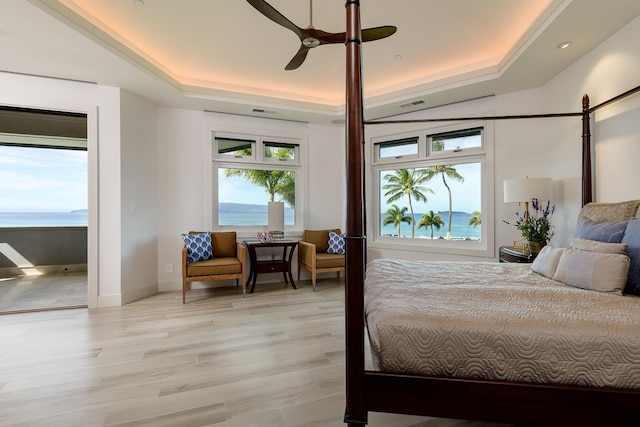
[
  {"x": 596, "y": 246},
  {"x": 546, "y": 263},
  {"x": 603, "y": 272}
]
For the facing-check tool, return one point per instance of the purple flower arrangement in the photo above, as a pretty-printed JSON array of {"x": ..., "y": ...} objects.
[{"x": 535, "y": 225}]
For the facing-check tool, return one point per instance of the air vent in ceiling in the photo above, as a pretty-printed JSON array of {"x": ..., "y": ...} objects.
[
  {"x": 412, "y": 104},
  {"x": 262, "y": 111}
]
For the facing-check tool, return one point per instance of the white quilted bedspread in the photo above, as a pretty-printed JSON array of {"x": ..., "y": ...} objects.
[{"x": 498, "y": 321}]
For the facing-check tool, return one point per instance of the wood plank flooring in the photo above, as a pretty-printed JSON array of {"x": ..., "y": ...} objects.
[{"x": 275, "y": 358}]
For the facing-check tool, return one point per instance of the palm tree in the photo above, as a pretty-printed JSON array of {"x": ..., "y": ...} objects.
[
  {"x": 476, "y": 219},
  {"x": 407, "y": 182},
  {"x": 273, "y": 181},
  {"x": 396, "y": 216},
  {"x": 446, "y": 171},
  {"x": 431, "y": 220}
]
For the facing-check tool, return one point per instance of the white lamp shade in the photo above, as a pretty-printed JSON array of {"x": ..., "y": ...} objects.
[
  {"x": 276, "y": 216},
  {"x": 523, "y": 190}
]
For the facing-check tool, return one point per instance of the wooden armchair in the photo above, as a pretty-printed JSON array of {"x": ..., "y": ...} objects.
[
  {"x": 228, "y": 262},
  {"x": 313, "y": 256}
]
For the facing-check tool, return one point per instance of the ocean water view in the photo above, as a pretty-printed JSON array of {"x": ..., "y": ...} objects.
[
  {"x": 43, "y": 219},
  {"x": 246, "y": 214},
  {"x": 460, "y": 228}
]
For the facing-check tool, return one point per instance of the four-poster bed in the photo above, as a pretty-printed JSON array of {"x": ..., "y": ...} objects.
[{"x": 528, "y": 403}]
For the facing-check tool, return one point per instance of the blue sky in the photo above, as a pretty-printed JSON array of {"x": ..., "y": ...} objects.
[
  {"x": 42, "y": 179},
  {"x": 466, "y": 196},
  {"x": 239, "y": 190}
]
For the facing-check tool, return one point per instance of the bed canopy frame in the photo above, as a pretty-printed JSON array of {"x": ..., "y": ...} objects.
[{"x": 500, "y": 401}]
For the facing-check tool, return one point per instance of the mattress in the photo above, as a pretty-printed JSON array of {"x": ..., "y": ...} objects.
[{"x": 498, "y": 321}]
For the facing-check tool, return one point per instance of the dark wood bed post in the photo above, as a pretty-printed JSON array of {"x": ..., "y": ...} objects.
[
  {"x": 356, "y": 410},
  {"x": 587, "y": 188}
]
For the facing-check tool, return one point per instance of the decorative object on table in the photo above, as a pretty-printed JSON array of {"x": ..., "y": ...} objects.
[
  {"x": 264, "y": 237},
  {"x": 535, "y": 225},
  {"x": 524, "y": 190},
  {"x": 276, "y": 235},
  {"x": 276, "y": 220}
]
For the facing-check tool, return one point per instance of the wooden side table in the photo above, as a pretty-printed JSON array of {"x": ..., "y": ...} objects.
[
  {"x": 509, "y": 254},
  {"x": 278, "y": 265}
]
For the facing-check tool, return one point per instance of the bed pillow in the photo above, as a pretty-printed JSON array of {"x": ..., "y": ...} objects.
[
  {"x": 632, "y": 239},
  {"x": 198, "y": 246},
  {"x": 596, "y": 246},
  {"x": 593, "y": 270},
  {"x": 336, "y": 243},
  {"x": 546, "y": 263},
  {"x": 609, "y": 232}
]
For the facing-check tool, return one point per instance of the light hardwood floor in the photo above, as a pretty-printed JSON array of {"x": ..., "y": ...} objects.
[{"x": 275, "y": 358}]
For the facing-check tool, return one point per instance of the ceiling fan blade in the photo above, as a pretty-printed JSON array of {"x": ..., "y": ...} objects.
[
  {"x": 328, "y": 38},
  {"x": 377, "y": 33},
  {"x": 298, "y": 58},
  {"x": 368, "y": 35},
  {"x": 267, "y": 10}
]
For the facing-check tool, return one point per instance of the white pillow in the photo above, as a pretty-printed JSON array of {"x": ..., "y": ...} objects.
[
  {"x": 596, "y": 246},
  {"x": 593, "y": 270},
  {"x": 546, "y": 263}
]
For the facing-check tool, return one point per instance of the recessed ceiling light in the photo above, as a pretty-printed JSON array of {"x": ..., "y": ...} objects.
[
  {"x": 398, "y": 57},
  {"x": 564, "y": 45},
  {"x": 138, "y": 3}
]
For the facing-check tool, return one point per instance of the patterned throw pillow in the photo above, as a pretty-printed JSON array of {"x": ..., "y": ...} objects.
[
  {"x": 593, "y": 270},
  {"x": 632, "y": 239},
  {"x": 198, "y": 246},
  {"x": 609, "y": 232},
  {"x": 336, "y": 243}
]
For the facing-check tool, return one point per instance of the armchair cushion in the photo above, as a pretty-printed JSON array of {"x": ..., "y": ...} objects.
[
  {"x": 198, "y": 246},
  {"x": 215, "y": 266},
  {"x": 329, "y": 260},
  {"x": 336, "y": 243}
]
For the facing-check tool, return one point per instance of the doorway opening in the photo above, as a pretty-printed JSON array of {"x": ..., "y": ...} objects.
[{"x": 43, "y": 209}]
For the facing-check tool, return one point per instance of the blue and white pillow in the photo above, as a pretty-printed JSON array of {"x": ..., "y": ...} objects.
[
  {"x": 336, "y": 243},
  {"x": 198, "y": 246}
]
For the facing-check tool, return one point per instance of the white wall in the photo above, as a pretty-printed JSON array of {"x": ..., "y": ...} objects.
[
  {"x": 607, "y": 71},
  {"x": 184, "y": 177},
  {"x": 139, "y": 196}
]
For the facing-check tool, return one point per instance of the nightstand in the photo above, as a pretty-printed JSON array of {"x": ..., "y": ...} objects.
[{"x": 509, "y": 254}]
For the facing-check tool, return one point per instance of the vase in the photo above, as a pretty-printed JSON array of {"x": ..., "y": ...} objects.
[{"x": 536, "y": 247}]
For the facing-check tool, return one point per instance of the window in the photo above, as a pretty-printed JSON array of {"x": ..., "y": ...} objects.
[
  {"x": 435, "y": 195},
  {"x": 397, "y": 148},
  {"x": 43, "y": 186},
  {"x": 249, "y": 172}
]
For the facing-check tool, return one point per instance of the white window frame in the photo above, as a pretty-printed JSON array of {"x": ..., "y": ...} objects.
[
  {"x": 216, "y": 161},
  {"x": 483, "y": 155}
]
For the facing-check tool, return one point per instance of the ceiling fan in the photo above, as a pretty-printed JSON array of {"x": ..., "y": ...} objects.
[{"x": 310, "y": 37}]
